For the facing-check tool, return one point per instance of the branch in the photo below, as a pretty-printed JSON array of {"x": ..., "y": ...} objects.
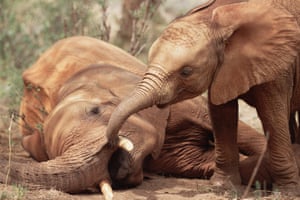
[
  {"x": 141, "y": 26},
  {"x": 259, "y": 161}
]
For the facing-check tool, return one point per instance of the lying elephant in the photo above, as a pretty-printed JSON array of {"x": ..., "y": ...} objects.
[
  {"x": 73, "y": 101},
  {"x": 43, "y": 80},
  {"x": 74, "y": 112}
]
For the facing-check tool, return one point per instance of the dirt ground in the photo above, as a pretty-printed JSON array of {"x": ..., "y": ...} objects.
[{"x": 154, "y": 187}]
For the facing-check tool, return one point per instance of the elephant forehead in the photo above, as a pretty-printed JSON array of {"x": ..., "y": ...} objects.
[
  {"x": 180, "y": 46},
  {"x": 79, "y": 96},
  {"x": 171, "y": 57},
  {"x": 72, "y": 123},
  {"x": 185, "y": 33}
]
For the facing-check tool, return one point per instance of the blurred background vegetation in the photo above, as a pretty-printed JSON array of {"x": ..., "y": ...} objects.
[{"x": 28, "y": 28}]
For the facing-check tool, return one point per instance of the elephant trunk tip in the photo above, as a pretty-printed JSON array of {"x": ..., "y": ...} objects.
[{"x": 117, "y": 118}]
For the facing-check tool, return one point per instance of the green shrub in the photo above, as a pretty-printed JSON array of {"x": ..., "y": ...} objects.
[{"x": 28, "y": 28}]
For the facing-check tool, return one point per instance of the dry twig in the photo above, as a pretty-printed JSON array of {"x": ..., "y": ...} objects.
[
  {"x": 10, "y": 147},
  {"x": 141, "y": 26},
  {"x": 259, "y": 161},
  {"x": 104, "y": 26}
]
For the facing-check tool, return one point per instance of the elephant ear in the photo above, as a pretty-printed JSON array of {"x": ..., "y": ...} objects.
[
  {"x": 201, "y": 7},
  {"x": 261, "y": 41}
]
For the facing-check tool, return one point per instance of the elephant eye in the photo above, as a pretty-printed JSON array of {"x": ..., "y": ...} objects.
[
  {"x": 95, "y": 110},
  {"x": 186, "y": 71}
]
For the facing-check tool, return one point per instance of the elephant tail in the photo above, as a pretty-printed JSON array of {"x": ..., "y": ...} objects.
[{"x": 69, "y": 173}]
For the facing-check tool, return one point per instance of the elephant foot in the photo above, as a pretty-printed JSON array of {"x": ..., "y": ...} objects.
[
  {"x": 288, "y": 189},
  {"x": 229, "y": 182}
]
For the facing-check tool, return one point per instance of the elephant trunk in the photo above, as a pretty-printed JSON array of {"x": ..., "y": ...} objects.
[
  {"x": 144, "y": 96},
  {"x": 69, "y": 173}
]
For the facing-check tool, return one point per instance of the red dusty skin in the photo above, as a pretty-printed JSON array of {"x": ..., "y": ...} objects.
[{"x": 73, "y": 172}]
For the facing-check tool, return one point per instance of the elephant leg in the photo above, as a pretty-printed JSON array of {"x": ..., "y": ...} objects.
[
  {"x": 297, "y": 128},
  {"x": 273, "y": 110},
  {"x": 296, "y": 150},
  {"x": 293, "y": 127},
  {"x": 224, "y": 120},
  {"x": 263, "y": 175}
]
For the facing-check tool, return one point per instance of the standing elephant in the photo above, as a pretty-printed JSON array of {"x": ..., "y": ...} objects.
[{"x": 234, "y": 49}]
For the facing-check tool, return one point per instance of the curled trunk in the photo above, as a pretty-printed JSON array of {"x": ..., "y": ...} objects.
[
  {"x": 142, "y": 97},
  {"x": 126, "y": 108},
  {"x": 146, "y": 94},
  {"x": 69, "y": 173}
]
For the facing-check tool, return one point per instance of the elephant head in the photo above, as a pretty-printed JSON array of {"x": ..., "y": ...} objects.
[
  {"x": 66, "y": 105},
  {"x": 74, "y": 136},
  {"x": 226, "y": 49}
]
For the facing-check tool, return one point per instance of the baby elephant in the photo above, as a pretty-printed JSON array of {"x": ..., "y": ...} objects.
[{"x": 69, "y": 95}]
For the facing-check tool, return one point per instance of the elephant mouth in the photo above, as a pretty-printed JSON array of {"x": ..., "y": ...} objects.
[
  {"x": 181, "y": 95},
  {"x": 120, "y": 169},
  {"x": 173, "y": 101},
  {"x": 162, "y": 106}
]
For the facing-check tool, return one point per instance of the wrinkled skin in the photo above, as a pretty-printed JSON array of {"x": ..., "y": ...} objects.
[
  {"x": 188, "y": 150},
  {"x": 80, "y": 98},
  {"x": 234, "y": 49},
  {"x": 73, "y": 139},
  {"x": 43, "y": 80}
]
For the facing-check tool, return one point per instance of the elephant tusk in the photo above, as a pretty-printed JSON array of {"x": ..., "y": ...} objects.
[
  {"x": 125, "y": 143},
  {"x": 106, "y": 189}
]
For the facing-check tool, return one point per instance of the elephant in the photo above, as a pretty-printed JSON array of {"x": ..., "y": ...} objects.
[
  {"x": 78, "y": 97},
  {"x": 63, "y": 115},
  {"x": 46, "y": 76},
  {"x": 233, "y": 49}
]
